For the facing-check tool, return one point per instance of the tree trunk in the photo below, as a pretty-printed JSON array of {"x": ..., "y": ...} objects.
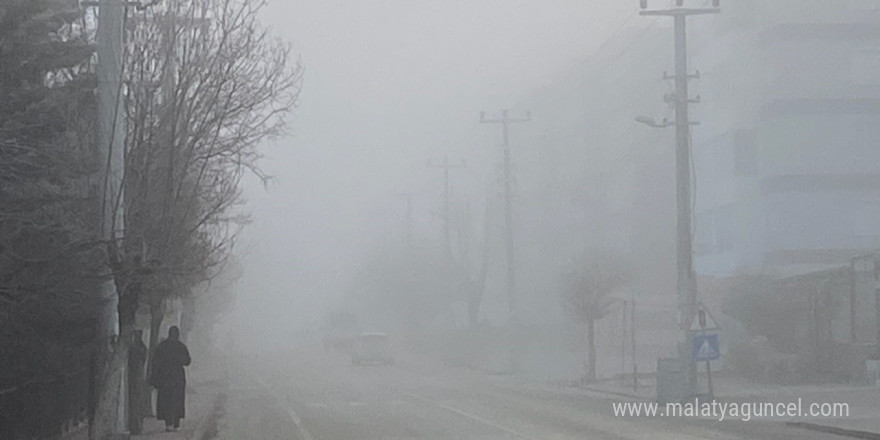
[
  {"x": 111, "y": 395},
  {"x": 157, "y": 314},
  {"x": 109, "y": 411},
  {"x": 591, "y": 351},
  {"x": 187, "y": 318},
  {"x": 111, "y": 392}
]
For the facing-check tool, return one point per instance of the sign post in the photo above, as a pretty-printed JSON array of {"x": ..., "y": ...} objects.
[{"x": 706, "y": 348}]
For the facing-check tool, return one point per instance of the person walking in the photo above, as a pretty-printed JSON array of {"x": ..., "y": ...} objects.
[
  {"x": 169, "y": 378},
  {"x": 137, "y": 355}
]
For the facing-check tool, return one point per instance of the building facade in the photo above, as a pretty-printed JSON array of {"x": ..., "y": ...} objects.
[{"x": 787, "y": 161}]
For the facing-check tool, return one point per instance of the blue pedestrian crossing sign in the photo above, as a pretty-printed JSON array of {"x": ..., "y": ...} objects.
[{"x": 706, "y": 347}]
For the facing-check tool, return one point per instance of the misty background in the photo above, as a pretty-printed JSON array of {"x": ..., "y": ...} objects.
[
  {"x": 482, "y": 203},
  {"x": 388, "y": 86}
]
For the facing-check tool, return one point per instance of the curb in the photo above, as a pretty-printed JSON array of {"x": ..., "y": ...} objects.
[
  {"x": 552, "y": 386},
  {"x": 835, "y": 430},
  {"x": 612, "y": 393}
]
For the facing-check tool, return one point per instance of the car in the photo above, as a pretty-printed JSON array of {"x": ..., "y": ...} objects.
[{"x": 372, "y": 348}]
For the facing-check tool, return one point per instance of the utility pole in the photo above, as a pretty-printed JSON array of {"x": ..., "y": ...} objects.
[
  {"x": 408, "y": 197},
  {"x": 110, "y": 137},
  {"x": 110, "y": 414},
  {"x": 505, "y": 122},
  {"x": 686, "y": 280},
  {"x": 446, "y": 166},
  {"x": 623, "y": 341},
  {"x": 111, "y": 115},
  {"x": 635, "y": 365}
]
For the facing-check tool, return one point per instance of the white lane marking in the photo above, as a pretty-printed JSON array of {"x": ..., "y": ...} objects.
[
  {"x": 470, "y": 416},
  {"x": 485, "y": 422},
  {"x": 356, "y": 404},
  {"x": 302, "y": 433}
]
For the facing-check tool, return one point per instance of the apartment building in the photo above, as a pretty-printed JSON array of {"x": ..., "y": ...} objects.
[{"x": 787, "y": 160}]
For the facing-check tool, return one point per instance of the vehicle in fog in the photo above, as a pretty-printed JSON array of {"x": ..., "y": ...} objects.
[{"x": 372, "y": 348}]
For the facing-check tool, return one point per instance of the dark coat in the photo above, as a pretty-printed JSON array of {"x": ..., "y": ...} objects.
[{"x": 169, "y": 379}]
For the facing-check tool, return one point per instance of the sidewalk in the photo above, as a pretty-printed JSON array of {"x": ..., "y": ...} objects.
[
  {"x": 863, "y": 401},
  {"x": 205, "y": 399}
]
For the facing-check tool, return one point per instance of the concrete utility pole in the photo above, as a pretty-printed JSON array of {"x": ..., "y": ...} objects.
[
  {"x": 408, "y": 196},
  {"x": 110, "y": 414},
  {"x": 111, "y": 138},
  {"x": 623, "y": 340},
  {"x": 635, "y": 365},
  {"x": 446, "y": 166},
  {"x": 505, "y": 122},
  {"x": 686, "y": 279},
  {"x": 111, "y": 115}
]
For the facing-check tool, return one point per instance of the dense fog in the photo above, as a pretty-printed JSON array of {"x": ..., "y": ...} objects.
[
  {"x": 402, "y": 219},
  {"x": 390, "y": 85}
]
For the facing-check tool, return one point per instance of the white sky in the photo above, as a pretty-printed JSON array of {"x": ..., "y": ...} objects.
[{"x": 388, "y": 84}]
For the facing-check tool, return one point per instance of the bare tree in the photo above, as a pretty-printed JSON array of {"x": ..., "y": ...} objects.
[
  {"x": 205, "y": 85},
  {"x": 589, "y": 296}
]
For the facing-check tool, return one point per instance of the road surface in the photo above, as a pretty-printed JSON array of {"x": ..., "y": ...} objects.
[{"x": 310, "y": 394}]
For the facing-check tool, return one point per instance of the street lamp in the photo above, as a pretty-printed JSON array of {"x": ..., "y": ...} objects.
[{"x": 651, "y": 122}]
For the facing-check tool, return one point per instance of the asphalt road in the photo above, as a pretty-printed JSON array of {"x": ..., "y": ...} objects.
[{"x": 311, "y": 394}]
